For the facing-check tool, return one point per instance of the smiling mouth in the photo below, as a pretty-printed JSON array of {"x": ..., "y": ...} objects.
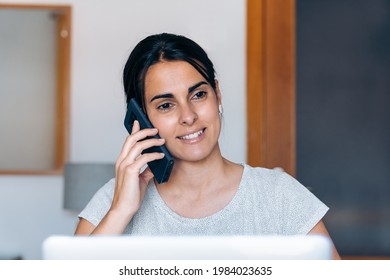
[{"x": 192, "y": 135}]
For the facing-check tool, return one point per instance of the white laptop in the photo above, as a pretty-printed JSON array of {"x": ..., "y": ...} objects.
[{"x": 187, "y": 247}]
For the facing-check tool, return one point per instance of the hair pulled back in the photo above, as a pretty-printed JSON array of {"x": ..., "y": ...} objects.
[{"x": 163, "y": 47}]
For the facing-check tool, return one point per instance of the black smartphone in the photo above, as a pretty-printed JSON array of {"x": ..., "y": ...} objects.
[{"x": 160, "y": 168}]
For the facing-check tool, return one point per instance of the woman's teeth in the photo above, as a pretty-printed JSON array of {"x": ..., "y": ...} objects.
[{"x": 191, "y": 136}]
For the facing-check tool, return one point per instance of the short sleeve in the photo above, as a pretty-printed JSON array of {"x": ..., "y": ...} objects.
[
  {"x": 100, "y": 203},
  {"x": 301, "y": 209}
]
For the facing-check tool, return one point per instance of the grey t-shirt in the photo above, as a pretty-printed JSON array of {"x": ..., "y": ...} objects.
[{"x": 266, "y": 202}]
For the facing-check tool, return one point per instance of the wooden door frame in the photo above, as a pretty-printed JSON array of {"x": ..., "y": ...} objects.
[{"x": 271, "y": 112}]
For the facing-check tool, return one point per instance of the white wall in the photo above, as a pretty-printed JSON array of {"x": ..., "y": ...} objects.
[
  {"x": 30, "y": 42},
  {"x": 104, "y": 32}
]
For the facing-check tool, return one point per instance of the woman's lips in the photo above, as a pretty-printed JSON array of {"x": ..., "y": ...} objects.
[{"x": 192, "y": 135}]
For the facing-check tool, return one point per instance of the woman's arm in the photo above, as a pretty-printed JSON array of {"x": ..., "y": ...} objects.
[
  {"x": 320, "y": 228},
  {"x": 130, "y": 183},
  {"x": 84, "y": 227},
  {"x": 112, "y": 223}
]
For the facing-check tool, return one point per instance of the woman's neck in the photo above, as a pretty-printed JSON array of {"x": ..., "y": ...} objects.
[
  {"x": 198, "y": 175},
  {"x": 199, "y": 189}
]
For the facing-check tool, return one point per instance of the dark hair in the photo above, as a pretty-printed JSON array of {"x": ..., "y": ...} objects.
[{"x": 163, "y": 47}]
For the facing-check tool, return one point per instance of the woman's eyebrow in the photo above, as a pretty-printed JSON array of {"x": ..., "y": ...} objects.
[
  {"x": 192, "y": 88},
  {"x": 165, "y": 95},
  {"x": 170, "y": 95}
]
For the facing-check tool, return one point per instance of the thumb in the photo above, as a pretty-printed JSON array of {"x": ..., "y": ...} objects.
[{"x": 146, "y": 176}]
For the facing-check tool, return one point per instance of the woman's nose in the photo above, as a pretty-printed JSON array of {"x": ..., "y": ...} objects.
[{"x": 187, "y": 115}]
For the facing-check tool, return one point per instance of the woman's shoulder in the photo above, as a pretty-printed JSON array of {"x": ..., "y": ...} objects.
[
  {"x": 255, "y": 173},
  {"x": 269, "y": 180}
]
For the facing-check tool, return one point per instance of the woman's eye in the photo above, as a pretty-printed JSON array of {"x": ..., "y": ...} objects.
[
  {"x": 200, "y": 94},
  {"x": 164, "y": 106}
]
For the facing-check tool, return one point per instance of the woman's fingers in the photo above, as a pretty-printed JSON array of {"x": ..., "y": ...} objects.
[
  {"x": 129, "y": 191},
  {"x": 131, "y": 182},
  {"x": 146, "y": 176},
  {"x": 134, "y": 154},
  {"x": 136, "y": 127},
  {"x": 135, "y": 168},
  {"x": 136, "y": 136},
  {"x": 130, "y": 160},
  {"x": 139, "y": 147},
  {"x": 132, "y": 139}
]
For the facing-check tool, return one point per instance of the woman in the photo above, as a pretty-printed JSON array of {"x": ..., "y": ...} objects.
[{"x": 173, "y": 80}]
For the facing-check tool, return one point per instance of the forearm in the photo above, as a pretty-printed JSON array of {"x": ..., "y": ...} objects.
[{"x": 113, "y": 223}]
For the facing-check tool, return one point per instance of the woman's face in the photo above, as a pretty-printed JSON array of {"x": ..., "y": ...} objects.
[{"x": 184, "y": 108}]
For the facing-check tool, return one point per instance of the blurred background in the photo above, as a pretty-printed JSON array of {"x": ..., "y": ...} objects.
[
  {"x": 343, "y": 65},
  {"x": 343, "y": 118}
]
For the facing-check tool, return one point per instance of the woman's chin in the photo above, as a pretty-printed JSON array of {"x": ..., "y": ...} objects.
[{"x": 193, "y": 156}]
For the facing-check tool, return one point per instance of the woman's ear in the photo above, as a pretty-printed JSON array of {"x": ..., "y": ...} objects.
[
  {"x": 219, "y": 98},
  {"x": 218, "y": 93}
]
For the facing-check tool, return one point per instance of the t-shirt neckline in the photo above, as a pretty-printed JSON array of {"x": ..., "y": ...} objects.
[{"x": 230, "y": 207}]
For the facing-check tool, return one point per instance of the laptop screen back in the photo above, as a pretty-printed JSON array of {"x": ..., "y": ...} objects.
[{"x": 187, "y": 247}]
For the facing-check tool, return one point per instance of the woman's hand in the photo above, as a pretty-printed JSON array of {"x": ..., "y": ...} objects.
[{"x": 130, "y": 182}]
